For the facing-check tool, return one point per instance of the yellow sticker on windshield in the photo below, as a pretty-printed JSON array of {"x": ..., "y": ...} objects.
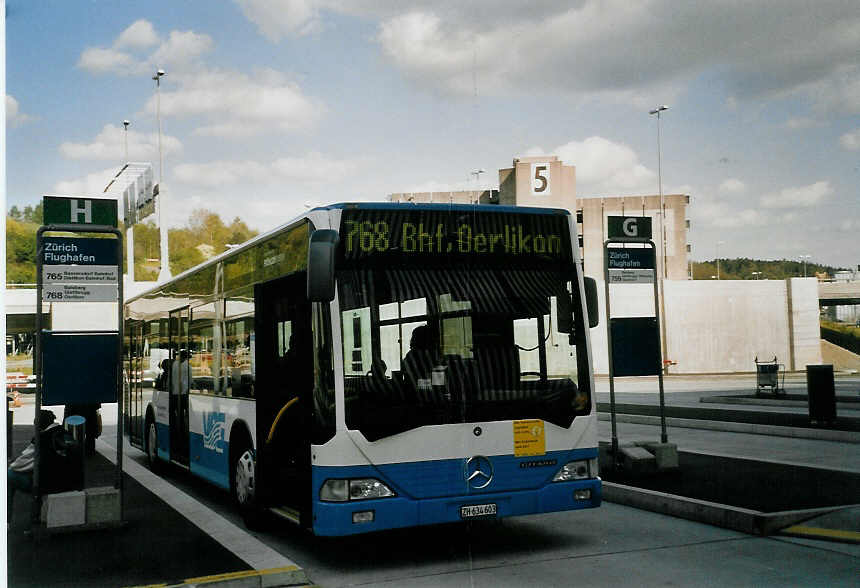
[{"x": 529, "y": 438}]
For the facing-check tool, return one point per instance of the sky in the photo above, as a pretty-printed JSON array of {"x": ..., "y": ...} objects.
[{"x": 271, "y": 106}]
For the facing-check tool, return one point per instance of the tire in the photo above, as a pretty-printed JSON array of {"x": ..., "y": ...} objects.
[
  {"x": 244, "y": 487},
  {"x": 152, "y": 445}
]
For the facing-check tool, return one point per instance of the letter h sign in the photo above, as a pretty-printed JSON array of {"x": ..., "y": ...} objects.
[
  {"x": 62, "y": 210},
  {"x": 86, "y": 210}
]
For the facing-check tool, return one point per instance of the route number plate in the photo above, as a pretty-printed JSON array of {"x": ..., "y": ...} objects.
[{"x": 477, "y": 510}]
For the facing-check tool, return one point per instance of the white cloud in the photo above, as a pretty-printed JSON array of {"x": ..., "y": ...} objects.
[
  {"x": 800, "y": 123},
  {"x": 236, "y": 104},
  {"x": 732, "y": 186},
  {"x": 799, "y": 197},
  {"x": 232, "y": 103},
  {"x": 14, "y": 116},
  {"x": 744, "y": 218},
  {"x": 109, "y": 144},
  {"x": 139, "y": 34},
  {"x": 100, "y": 60},
  {"x": 181, "y": 49},
  {"x": 604, "y": 167},
  {"x": 90, "y": 185},
  {"x": 607, "y": 49},
  {"x": 139, "y": 49},
  {"x": 282, "y": 18},
  {"x": 851, "y": 140},
  {"x": 313, "y": 168}
]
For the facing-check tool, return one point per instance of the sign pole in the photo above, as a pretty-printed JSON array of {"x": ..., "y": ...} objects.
[
  {"x": 79, "y": 269},
  {"x": 664, "y": 437},
  {"x": 633, "y": 265},
  {"x": 615, "y": 458},
  {"x": 35, "y": 514}
]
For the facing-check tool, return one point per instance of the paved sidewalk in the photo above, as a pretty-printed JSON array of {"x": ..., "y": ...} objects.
[{"x": 157, "y": 544}]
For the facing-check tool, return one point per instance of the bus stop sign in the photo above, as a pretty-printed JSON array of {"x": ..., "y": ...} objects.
[{"x": 629, "y": 228}]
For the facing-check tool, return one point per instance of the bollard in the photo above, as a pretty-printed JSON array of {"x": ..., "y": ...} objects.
[
  {"x": 822, "y": 395},
  {"x": 76, "y": 426}
]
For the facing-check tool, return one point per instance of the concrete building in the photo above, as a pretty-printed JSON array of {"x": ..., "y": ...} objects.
[
  {"x": 709, "y": 326},
  {"x": 546, "y": 181}
]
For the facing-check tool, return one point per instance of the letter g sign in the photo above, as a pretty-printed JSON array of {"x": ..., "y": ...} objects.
[{"x": 630, "y": 228}]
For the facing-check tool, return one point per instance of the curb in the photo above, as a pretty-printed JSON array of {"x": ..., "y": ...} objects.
[
  {"x": 271, "y": 578},
  {"x": 748, "y": 521},
  {"x": 734, "y": 427}
]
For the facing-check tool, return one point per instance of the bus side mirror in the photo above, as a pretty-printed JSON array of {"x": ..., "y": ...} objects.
[
  {"x": 564, "y": 313},
  {"x": 592, "y": 302},
  {"x": 321, "y": 253}
]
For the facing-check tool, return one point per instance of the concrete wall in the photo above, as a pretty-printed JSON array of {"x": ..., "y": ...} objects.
[{"x": 721, "y": 326}]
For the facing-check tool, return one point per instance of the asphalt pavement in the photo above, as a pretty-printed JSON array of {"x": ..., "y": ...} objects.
[{"x": 168, "y": 538}]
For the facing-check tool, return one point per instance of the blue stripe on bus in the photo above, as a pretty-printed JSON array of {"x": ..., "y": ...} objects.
[
  {"x": 209, "y": 464},
  {"x": 163, "y": 433},
  {"x": 514, "y": 491}
]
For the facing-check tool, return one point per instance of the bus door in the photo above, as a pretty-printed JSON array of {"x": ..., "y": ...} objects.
[
  {"x": 180, "y": 381},
  {"x": 284, "y": 355}
]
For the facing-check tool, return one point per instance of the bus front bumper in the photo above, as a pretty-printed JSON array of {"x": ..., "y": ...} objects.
[{"x": 349, "y": 518}]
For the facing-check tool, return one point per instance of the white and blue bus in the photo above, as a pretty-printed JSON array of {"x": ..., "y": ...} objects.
[{"x": 371, "y": 366}]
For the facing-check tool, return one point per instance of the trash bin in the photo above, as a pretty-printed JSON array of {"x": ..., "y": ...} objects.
[
  {"x": 822, "y": 393},
  {"x": 76, "y": 427}
]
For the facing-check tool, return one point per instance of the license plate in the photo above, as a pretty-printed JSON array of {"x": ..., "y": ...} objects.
[{"x": 477, "y": 510}]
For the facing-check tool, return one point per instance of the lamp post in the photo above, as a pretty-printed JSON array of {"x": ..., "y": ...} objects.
[
  {"x": 718, "y": 257},
  {"x": 804, "y": 258},
  {"x": 164, "y": 272},
  {"x": 125, "y": 124},
  {"x": 657, "y": 111},
  {"x": 477, "y": 173}
]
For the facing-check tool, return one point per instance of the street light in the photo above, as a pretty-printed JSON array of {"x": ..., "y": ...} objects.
[
  {"x": 657, "y": 111},
  {"x": 164, "y": 272},
  {"x": 125, "y": 124},
  {"x": 804, "y": 258},
  {"x": 477, "y": 173},
  {"x": 718, "y": 257}
]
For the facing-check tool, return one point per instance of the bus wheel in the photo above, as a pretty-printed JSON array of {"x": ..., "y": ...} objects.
[
  {"x": 244, "y": 480},
  {"x": 245, "y": 489},
  {"x": 152, "y": 446}
]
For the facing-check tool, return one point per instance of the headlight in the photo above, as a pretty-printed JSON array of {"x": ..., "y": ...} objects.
[
  {"x": 577, "y": 470},
  {"x": 356, "y": 489}
]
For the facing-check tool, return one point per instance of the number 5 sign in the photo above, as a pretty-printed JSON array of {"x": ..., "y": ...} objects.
[{"x": 541, "y": 179}]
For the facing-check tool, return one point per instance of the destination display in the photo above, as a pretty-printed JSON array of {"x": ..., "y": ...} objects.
[
  {"x": 384, "y": 233},
  {"x": 630, "y": 265},
  {"x": 80, "y": 274},
  {"x": 630, "y": 259},
  {"x": 635, "y": 276},
  {"x": 79, "y": 251},
  {"x": 79, "y": 293}
]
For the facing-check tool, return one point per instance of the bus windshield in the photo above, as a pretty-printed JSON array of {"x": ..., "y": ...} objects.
[{"x": 448, "y": 339}]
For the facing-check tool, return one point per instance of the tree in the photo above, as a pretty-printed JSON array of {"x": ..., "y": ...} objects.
[{"x": 20, "y": 252}]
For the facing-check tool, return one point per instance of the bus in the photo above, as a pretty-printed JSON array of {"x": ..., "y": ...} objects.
[{"x": 369, "y": 366}]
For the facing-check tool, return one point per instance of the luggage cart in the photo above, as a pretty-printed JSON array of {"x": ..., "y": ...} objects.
[{"x": 767, "y": 374}]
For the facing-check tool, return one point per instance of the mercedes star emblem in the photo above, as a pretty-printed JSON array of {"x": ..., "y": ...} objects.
[{"x": 478, "y": 472}]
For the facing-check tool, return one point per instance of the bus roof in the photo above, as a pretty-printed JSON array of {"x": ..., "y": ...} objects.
[{"x": 443, "y": 206}]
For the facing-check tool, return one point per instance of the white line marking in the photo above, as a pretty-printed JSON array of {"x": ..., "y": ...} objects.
[{"x": 244, "y": 545}]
